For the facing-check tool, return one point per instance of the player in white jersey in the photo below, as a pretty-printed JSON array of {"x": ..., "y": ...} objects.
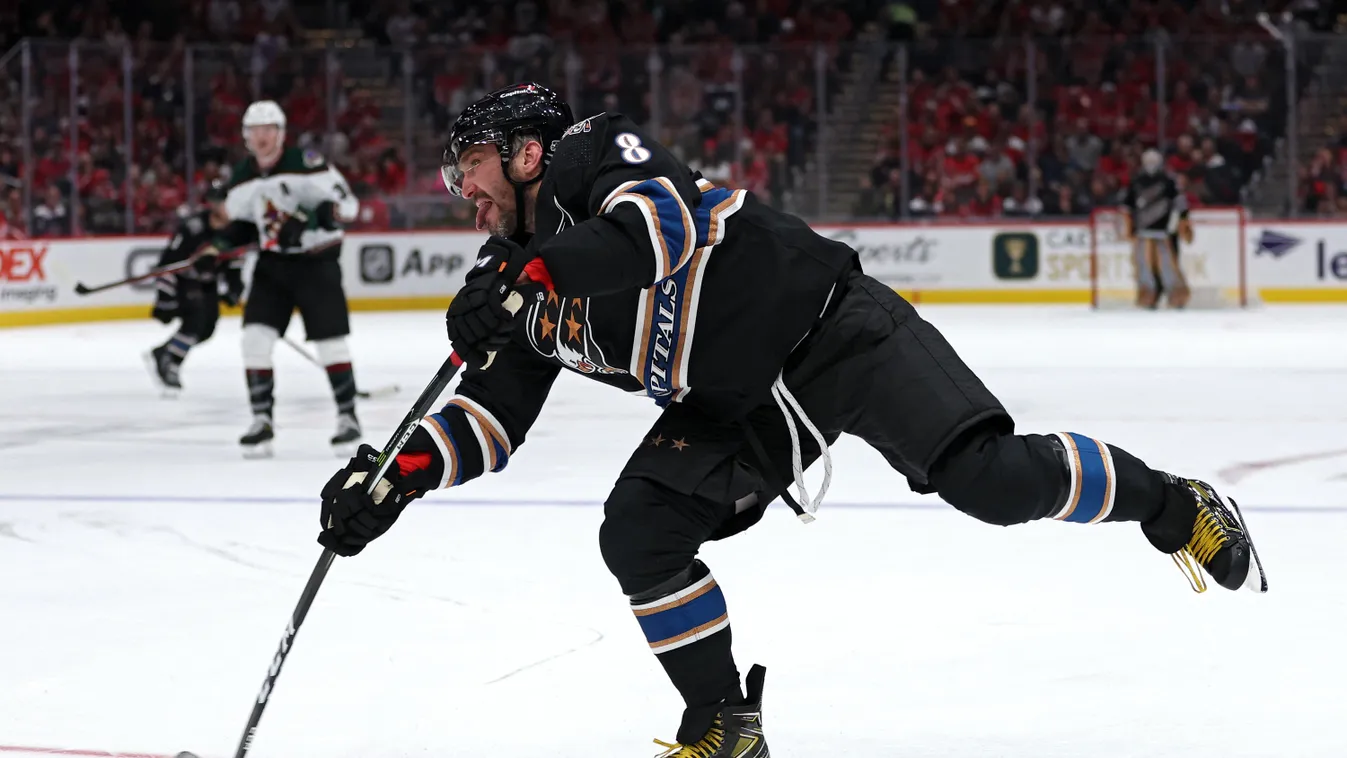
[{"x": 291, "y": 204}]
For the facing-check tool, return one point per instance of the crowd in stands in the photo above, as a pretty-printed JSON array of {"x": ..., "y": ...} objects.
[
  {"x": 731, "y": 87},
  {"x": 1323, "y": 182},
  {"x": 1056, "y": 126}
]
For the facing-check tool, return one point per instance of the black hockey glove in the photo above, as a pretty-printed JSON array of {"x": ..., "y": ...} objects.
[
  {"x": 165, "y": 307},
  {"x": 477, "y": 321},
  {"x": 350, "y": 518},
  {"x": 292, "y": 230},
  {"x": 324, "y": 216},
  {"x": 206, "y": 260}
]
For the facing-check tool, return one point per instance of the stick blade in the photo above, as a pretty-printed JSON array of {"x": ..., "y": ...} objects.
[
  {"x": 378, "y": 392},
  {"x": 80, "y": 289}
]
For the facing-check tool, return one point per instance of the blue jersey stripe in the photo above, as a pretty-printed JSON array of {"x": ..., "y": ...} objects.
[{"x": 667, "y": 317}]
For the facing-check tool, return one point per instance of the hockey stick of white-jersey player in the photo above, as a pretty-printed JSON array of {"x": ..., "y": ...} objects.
[
  {"x": 386, "y": 458},
  {"x": 385, "y": 391}
]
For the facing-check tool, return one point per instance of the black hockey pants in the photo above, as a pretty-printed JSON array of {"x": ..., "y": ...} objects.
[{"x": 872, "y": 367}]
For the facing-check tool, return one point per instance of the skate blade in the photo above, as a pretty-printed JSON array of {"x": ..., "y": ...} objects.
[
  {"x": 1255, "y": 580},
  {"x": 254, "y": 452},
  {"x": 165, "y": 391},
  {"x": 345, "y": 449}
]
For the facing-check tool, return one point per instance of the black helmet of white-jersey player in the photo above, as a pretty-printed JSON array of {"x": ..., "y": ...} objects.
[{"x": 502, "y": 118}]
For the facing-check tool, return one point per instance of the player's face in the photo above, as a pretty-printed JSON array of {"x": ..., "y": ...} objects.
[
  {"x": 263, "y": 140},
  {"x": 485, "y": 184}
]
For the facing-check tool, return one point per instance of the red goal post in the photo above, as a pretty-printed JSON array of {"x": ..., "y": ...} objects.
[{"x": 1215, "y": 263}]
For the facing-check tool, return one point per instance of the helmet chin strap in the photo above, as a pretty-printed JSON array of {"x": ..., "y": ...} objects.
[{"x": 521, "y": 235}]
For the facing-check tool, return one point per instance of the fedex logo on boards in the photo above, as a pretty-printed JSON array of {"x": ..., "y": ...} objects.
[{"x": 23, "y": 263}]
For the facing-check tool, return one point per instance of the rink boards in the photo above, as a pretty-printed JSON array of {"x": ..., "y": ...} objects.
[{"x": 1286, "y": 261}]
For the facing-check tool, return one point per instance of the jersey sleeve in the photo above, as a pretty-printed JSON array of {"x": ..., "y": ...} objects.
[
  {"x": 324, "y": 183},
  {"x": 237, "y": 233},
  {"x": 178, "y": 246},
  {"x": 633, "y": 203},
  {"x": 484, "y": 422},
  {"x": 338, "y": 191}
]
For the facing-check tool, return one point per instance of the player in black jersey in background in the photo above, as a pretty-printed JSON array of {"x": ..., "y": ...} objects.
[
  {"x": 1156, "y": 213},
  {"x": 192, "y": 295},
  {"x": 763, "y": 342}
]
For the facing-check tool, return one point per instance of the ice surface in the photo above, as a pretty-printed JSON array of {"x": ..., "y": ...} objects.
[{"x": 146, "y": 571}]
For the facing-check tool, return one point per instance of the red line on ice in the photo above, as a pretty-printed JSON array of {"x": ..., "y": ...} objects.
[
  {"x": 74, "y": 752},
  {"x": 1234, "y": 473}
]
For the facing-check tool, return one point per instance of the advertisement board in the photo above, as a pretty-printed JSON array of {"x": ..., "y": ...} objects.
[{"x": 1010, "y": 262}]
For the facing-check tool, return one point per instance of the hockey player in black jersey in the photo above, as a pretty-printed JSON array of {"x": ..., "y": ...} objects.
[
  {"x": 1156, "y": 213},
  {"x": 193, "y": 296},
  {"x": 763, "y": 342}
]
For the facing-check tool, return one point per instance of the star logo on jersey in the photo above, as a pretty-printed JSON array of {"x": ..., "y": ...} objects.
[
  {"x": 1276, "y": 244},
  {"x": 559, "y": 329}
]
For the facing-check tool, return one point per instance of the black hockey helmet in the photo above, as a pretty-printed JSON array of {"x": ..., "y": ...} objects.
[
  {"x": 216, "y": 192},
  {"x": 497, "y": 118}
]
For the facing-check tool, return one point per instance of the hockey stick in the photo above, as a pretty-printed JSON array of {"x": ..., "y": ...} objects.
[
  {"x": 82, "y": 289},
  {"x": 387, "y": 456},
  {"x": 387, "y": 391}
]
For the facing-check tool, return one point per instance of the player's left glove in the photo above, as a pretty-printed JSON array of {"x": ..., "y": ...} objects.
[
  {"x": 324, "y": 216},
  {"x": 351, "y": 518},
  {"x": 476, "y": 321}
]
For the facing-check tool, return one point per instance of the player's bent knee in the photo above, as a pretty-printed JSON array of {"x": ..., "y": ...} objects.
[
  {"x": 641, "y": 540},
  {"x": 258, "y": 341},
  {"x": 1001, "y": 478}
]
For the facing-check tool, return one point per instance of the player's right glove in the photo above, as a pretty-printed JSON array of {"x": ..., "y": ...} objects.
[
  {"x": 206, "y": 260},
  {"x": 476, "y": 321},
  {"x": 351, "y": 518},
  {"x": 165, "y": 303}
]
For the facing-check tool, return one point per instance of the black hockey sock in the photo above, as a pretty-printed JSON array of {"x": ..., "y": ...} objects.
[
  {"x": 342, "y": 379},
  {"x": 260, "y": 388},
  {"x": 1010, "y": 479},
  {"x": 688, "y": 629},
  {"x": 179, "y": 345}
]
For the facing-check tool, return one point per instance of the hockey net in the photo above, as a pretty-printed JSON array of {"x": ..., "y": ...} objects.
[{"x": 1214, "y": 263}]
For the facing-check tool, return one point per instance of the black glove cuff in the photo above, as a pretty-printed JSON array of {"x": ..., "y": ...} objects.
[{"x": 326, "y": 213}]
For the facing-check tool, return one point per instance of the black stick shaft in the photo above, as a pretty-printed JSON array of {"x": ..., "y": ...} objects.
[
  {"x": 387, "y": 456},
  {"x": 172, "y": 268}
]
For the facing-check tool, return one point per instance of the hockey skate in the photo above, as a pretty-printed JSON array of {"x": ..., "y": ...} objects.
[
  {"x": 736, "y": 732},
  {"x": 1204, "y": 531},
  {"x": 256, "y": 441},
  {"x": 164, "y": 371},
  {"x": 347, "y": 438}
]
